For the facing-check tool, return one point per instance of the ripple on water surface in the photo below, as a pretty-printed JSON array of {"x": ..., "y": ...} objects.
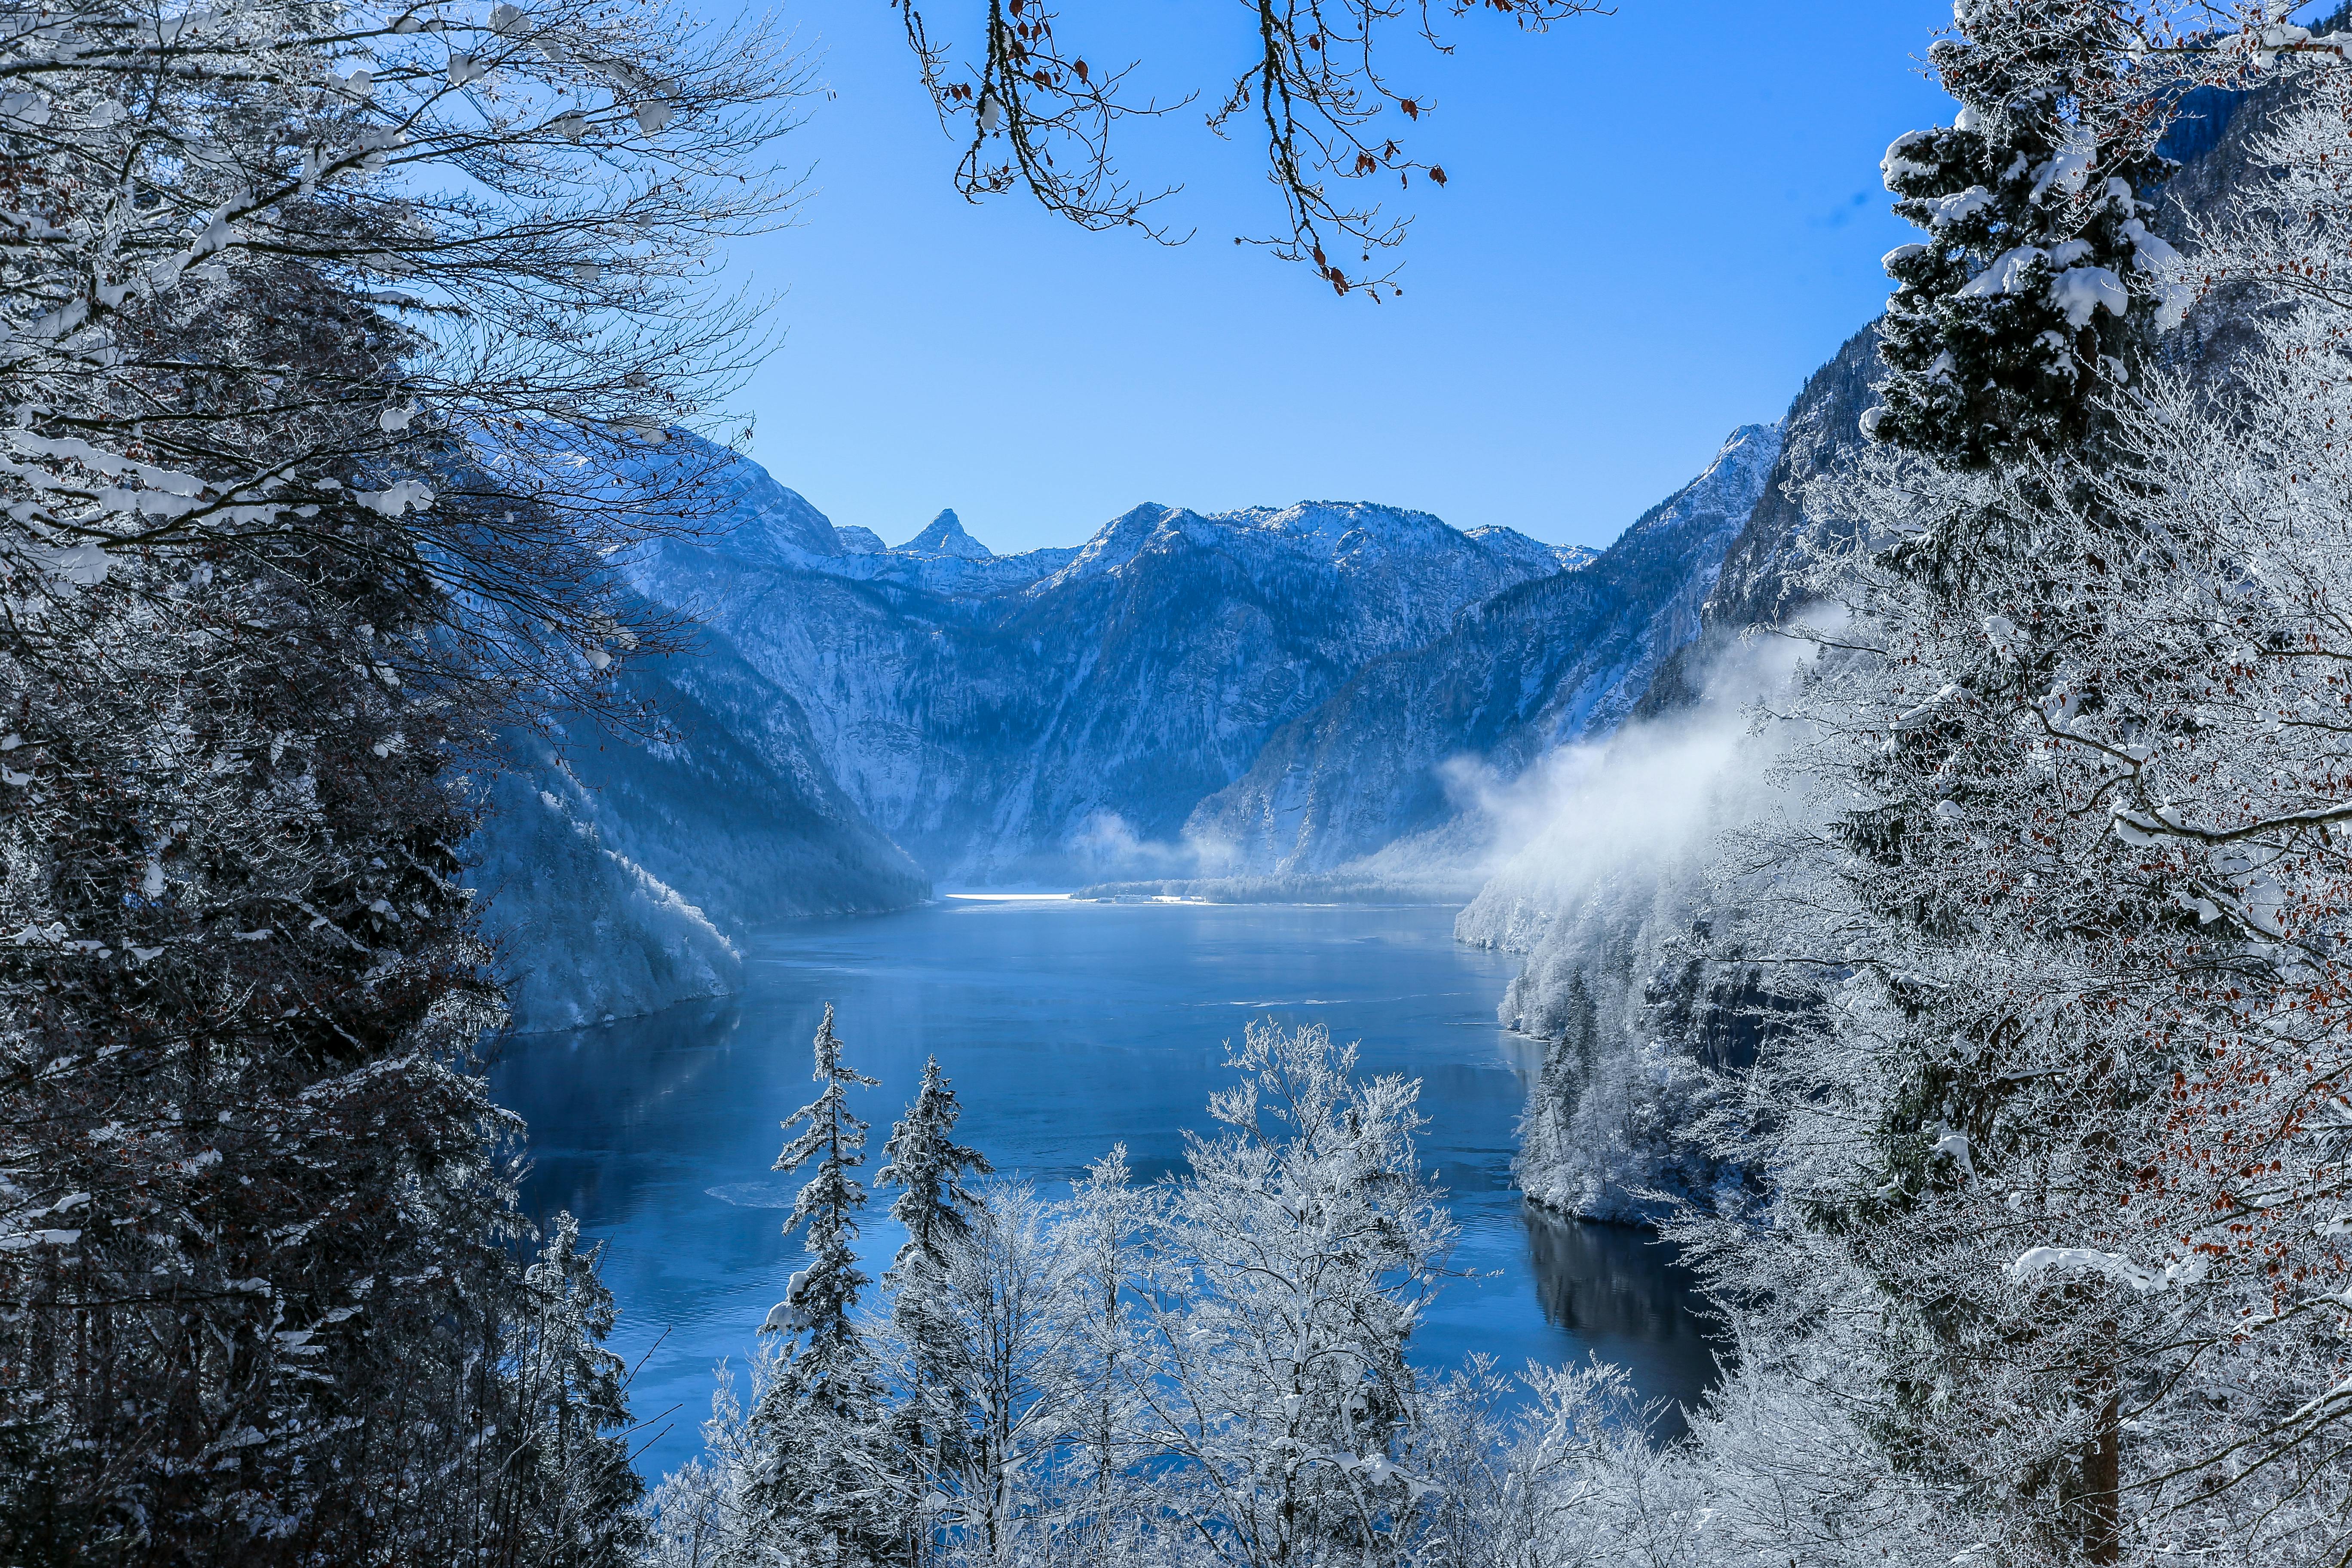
[{"x": 1066, "y": 1027}]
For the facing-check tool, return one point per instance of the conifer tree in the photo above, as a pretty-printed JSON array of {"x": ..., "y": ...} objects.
[
  {"x": 574, "y": 1490},
  {"x": 817, "y": 1418},
  {"x": 2038, "y": 280},
  {"x": 2033, "y": 302},
  {"x": 927, "y": 1167}
]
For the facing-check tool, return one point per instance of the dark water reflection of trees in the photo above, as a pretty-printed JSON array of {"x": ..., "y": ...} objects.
[
  {"x": 1602, "y": 1284},
  {"x": 595, "y": 1090}
]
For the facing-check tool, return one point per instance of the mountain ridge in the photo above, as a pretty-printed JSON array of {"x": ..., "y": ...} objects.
[
  {"x": 1319, "y": 797},
  {"x": 1025, "y": 716}
]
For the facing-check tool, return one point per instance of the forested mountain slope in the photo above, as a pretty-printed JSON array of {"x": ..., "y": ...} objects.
[
  {"x": 1526, "y": 671},
  {"x": 619, "y": 872}
]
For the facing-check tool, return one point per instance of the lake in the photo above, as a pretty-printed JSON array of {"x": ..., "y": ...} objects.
[{"x": 1066, "y": 1027}]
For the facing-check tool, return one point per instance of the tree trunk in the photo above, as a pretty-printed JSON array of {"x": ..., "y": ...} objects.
[{"x": 2103, "y": 1539}]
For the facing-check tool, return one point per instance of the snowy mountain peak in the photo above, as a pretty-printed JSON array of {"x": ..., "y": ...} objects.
[
  {"x": 1353, "y": 538},
  {"x": 1118, "y": 542},
  {"x": 1729, "y": 486},
  {"x": 856, "y": 540},
  {"x": 1335, "y": 520},
  {"x": 1750, "y": 450},
  {"x": 946, "y": 537}
]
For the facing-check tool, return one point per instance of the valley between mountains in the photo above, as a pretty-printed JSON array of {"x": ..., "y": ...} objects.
[{"x": 1320, "y": 699}]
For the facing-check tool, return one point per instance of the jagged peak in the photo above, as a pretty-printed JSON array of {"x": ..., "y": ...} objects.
[
  {"x": 1748, "y": 446},
  {"x": 946, "y": 536}
]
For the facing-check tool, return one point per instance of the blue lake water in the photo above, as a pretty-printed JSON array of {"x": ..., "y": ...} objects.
[{"x": 1066, "y": 1027}]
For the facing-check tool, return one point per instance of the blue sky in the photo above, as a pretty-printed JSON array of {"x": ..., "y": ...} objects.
[{"x": 1658, "y": 224}]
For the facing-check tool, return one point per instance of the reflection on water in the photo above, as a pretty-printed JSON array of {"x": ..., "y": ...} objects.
[
  {"x": 1617, "y": 1289},
  {"x": 1066, "y": 1029},
  {"x": 603, "y": 1104}
]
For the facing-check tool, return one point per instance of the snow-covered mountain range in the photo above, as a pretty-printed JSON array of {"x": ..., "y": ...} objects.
[
  {"x": 1268, "y": 692},
  {"x": 1062, "y": 713},
  {"x": 1550, "y": 661}
]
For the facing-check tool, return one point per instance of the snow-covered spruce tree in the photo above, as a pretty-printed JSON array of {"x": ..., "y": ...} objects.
[
  {"x": 2039, "y": 283},
  {"x": 571, "y": 1486},
  {"x": 821, "y": 1484},
  {"x": 2077, "y": 1131},
  {"x": 2037, "y": 294},
  {"x": 929, "y": 1167},
  {"x": 1215, "y": 1372},
  {"x": 1289, "y": 1265},
  {"x": 280, "y": 545},
  {"x": 922, "y": 1160}
]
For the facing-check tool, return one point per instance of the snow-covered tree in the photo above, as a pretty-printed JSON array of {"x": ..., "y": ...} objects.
[
  {"x": 701, "y": 1515},
  {"x": 571, "y": 1486},
  {"x": 997, "y": 1356},
  {"x": 2063, "y": 1158},
  {"x": 281, "y": 544},
  {"x": 1290, "y": 1265},
  {"x": 817, "y": 1421},
  {"x": 1214, "y": 1373},
  {"x": 928, "y": 1167},
  {"x": 2039, "y": 282},
  {"x": 2032, "y": 306},
  {"x": 1108, "y": 1227},
  {"x": 206, "y": 350},
  {"x": 923, "y": 1160}
]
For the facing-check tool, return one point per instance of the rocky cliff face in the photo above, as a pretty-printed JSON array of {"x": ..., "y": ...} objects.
[
  {"x": 618, "y": 873},
  {"x": 1756, "y": 581}
]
